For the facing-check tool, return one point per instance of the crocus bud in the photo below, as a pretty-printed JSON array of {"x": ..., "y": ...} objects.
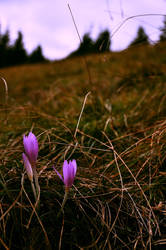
[
  {"x": 69, "y": 172},
  {"x": 31, "y": 147},
  {"x": 27, "y": 167}
]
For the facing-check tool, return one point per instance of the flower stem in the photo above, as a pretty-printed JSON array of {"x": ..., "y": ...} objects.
[
  {"x": 64, "y": 201},
  {"x": 36, "y": 184},
  {"x": 33, "y": 189}
]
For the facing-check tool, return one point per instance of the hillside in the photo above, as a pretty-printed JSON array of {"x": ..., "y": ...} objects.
[{"x": 112, "y": 121}]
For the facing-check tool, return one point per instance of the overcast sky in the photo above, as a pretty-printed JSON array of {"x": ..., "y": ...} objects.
[{"x": 49, "y": 23}]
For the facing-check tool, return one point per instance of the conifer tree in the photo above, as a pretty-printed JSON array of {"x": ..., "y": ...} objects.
[
  {"x": 103, "y": 42},
  {"x": 4, "y": 48},
  {"x": 36, "y": 55},
  {"x": 86, "y": 46},
  {"x": 19, "y": 54},
  {"x": 163, "y": 31},
  {"x": 141, "y": 38}
]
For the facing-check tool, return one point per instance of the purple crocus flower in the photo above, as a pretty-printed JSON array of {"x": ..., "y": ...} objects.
[
  {"x": 69, "y": 172},
  {"x": 27, "y": 167},
  {"x": 31, "y": 147}
]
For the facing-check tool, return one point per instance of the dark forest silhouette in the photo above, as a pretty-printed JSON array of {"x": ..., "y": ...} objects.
[
  {"x": 15, "y": 54},
  {"x": 88, "y": 46},
  {"x": 163, "y": 31},
  {"x": 141, "y": 38}
]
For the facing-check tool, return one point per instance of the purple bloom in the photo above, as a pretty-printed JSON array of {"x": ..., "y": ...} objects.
[
  {"x": 31, "y": 147},
  {"x": 69, "y": 172},
  {"x": 27, "y": 167}
]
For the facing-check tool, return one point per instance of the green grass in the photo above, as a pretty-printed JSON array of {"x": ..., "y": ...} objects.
[{"x": 118, "y": 197}]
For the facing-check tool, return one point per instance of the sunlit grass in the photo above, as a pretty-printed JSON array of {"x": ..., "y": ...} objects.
[{"x": 118, "y": 196}]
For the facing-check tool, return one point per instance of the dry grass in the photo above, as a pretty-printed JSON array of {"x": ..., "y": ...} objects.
[{"x": 116, "y": 133}]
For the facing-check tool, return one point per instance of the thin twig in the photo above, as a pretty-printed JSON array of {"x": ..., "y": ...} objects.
[
  {"x": 34, "y": 211},
  {"x": 6, "y": 97},
  {"x": 84, "y": 58},
  {"x": 13, "y": 204},
  {"x": 81, "y": 114},
  {"x": 115, "y": 156},
  {"x": 6, "y": 89},
  {"x": 148, "y": 203},
  {"x": 131, "y": 17},
  {"x": 4, "y": 245}
]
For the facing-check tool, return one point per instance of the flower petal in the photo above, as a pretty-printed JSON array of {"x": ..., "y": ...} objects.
[
  {"x": 68, "y": 173},
  {"x": 65, "y": 172},
  {"x": 34, "y": 143},
  {"x": 74, "y": 164},
  {"x": 60, "y": 176},
  {"x": 27, "y": 167},
  {"x": 31, "y": 147}
]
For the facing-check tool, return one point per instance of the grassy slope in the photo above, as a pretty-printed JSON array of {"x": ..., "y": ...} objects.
[{"x": 118, "y": 197}]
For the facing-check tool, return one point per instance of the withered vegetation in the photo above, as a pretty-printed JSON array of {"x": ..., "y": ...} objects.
[{"x": 114, "y": 126}]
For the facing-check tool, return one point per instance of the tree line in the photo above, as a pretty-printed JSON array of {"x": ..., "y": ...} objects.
[
  {"x": 15, "y": 54},
  {"x": 103, "y": 42},
  {"x": 88, "y": 46}
]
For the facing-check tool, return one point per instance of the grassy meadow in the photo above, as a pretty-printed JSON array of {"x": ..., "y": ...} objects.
[{"x": 108, "y": 112}]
